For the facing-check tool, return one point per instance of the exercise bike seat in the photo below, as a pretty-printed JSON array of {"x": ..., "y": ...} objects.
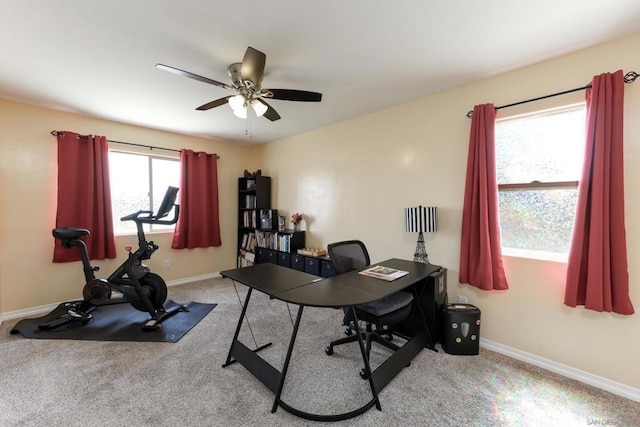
[{"x": 69, "y": 233}]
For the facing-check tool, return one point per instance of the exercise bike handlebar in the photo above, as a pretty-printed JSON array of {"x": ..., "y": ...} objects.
[{"x": 152, "y": 219}]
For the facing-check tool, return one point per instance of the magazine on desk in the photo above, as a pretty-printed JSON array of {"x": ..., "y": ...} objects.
[{"x": 384, "y": 273}]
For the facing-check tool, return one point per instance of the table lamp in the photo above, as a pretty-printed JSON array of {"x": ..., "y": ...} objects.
[{"x": 419, "y": 220}]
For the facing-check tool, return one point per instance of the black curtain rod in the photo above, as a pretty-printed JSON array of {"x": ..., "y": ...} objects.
[
  {"x": 151, "y": 147},
  {"x": 630, "y": 77}
]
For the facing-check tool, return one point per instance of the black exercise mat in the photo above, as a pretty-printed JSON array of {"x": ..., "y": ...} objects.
[{"x": 118, "y": 322}]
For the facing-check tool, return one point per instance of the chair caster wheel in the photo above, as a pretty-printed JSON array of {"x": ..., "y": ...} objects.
[
  {"x": 328, "y": 350},
  {"x": 363, "y": 374},
  {"x": 348, "y": 331}
]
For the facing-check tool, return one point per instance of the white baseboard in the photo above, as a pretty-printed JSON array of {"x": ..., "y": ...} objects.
[
  {"x": 43, "y": 309},
  {"x": 28, "y": 312},
  {"x": 614, "y": 387},
  {"x": 193, "y": 279}
]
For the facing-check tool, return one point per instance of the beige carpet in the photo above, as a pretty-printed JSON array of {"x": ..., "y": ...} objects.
[{"x": 78, "y": 383}]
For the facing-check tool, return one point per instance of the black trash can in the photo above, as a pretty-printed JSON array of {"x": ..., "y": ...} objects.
[{"x": 461, "y": 329}]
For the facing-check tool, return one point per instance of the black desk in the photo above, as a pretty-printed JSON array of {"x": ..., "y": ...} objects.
[{"x": 345, "y": 290}]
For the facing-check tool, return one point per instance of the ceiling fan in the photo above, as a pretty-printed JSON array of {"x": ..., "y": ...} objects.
[{"x": 246, "y": 82}]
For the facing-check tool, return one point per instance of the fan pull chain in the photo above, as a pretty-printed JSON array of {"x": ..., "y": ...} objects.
[{"x": 248, "y": 131}]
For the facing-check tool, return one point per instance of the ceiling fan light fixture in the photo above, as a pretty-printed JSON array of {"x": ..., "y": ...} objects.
[
  {"x": 237, "y": 102},
  {"x": 240, "y": 112},
  {"x": 258, "y": 107},
  {"x": 246, "y": 83}
]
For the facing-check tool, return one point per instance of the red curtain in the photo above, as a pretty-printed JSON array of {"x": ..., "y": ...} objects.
[
  {"x": 199, "y": 222},
  {"x": 597, "y": 275},
  {"x": 480, "y": 250},
  {"x": 84, "y": 195}
]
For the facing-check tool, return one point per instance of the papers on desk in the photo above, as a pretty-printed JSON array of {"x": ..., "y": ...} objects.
[{"x": 384, "y": 273}]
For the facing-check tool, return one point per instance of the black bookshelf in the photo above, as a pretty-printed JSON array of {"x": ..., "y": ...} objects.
[
  {"x": 254, "y": 195},
  {"x": 258, "y": 238}
]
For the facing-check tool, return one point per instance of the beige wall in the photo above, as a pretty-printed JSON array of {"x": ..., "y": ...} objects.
[
  {"x": 28, "y": 173},
  {"x": 353, "y": 179}
]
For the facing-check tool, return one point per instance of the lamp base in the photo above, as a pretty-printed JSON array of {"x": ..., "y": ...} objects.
[{"x": 421, "y": 253}]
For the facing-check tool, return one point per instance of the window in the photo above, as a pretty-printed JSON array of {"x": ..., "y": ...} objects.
[
  {"x": 539, "y": 163},
  {"x": 138, "y": 182}
]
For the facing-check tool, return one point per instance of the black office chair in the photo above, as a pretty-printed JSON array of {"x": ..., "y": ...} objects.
[{"x": 353, "y": 255}]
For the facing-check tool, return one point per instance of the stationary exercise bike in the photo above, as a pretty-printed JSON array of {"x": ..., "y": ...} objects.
[{"x": 145, "y": 291}]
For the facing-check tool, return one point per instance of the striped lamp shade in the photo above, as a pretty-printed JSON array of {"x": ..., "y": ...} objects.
[{"x": 421, "y": 219}]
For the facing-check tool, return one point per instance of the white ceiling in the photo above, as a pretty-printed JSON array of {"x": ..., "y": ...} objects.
[{"x": 98, "y": 57}]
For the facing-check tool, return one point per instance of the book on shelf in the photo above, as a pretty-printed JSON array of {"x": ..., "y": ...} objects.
[
  {"x": 266, "y": 239},
  {"x": 242, "y": 262},
  {"x": 249, "y": 201},
  {"x": 384, "y": 273},
  {"x": 249, "y": 219},
  {"x": 284, "y": 242},
  {"x": 249, "y": 256},
  {"x": 248, "y": 241}
]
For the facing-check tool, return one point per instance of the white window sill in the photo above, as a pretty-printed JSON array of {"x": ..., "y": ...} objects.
[
  {"x": 146, "y": 233},
  {"x": 541, "y": 255}
]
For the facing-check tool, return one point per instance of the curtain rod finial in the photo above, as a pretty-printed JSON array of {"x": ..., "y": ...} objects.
[{"x": 631, "y": 77}]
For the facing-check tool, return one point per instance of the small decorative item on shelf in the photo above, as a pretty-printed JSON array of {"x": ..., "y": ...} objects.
[
  {"x": 312, "y": 252},
  {"x": 295, "y": 220},
  {"x": 248, "y": 174},
  {"x": 281, "y": 222}
]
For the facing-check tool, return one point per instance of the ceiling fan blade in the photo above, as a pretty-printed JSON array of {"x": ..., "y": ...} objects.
[
  {"x": 253, "y": 66},
  {"x": 213, "y": 104},
  {"x": 270, "y": 114},
  {"x": 292, "y": 95},
  {"x": 194, "y": 76}
]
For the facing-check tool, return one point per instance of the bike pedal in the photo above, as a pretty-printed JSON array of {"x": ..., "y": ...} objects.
[{"x": 152, "y": 325}]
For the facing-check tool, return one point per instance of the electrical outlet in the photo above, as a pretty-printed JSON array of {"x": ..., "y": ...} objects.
[
  {"x": 462, "y": 299},
  {"x": 167, "y": 263}
]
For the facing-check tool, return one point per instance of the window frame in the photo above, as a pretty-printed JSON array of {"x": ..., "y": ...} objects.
[
  {"x": 148, "y": 228},
  {"x": 538, "y": 185}
]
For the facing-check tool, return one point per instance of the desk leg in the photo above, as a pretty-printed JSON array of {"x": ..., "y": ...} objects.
[
  {"x": 235, "y": 335},
  {"x": 431, "y": 345},
  {"x": 365, "y": 358},
  {"x": 287, "y": 359}
]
